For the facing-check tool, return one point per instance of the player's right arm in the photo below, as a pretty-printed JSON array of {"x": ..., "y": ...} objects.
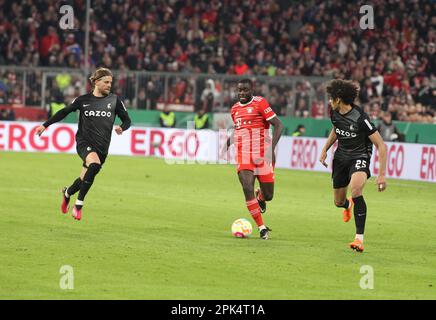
[
  {"x": 230, "y": 138},
  {"x": 377, "y": 140},
  {"x": 58, "y": 116},
  {"x": 229, "y": 141},
  {"x": 227, "y": 145},
  {"x": 330, "y": 141}
]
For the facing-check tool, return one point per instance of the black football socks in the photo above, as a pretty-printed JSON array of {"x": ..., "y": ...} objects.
[
  {"x": 359, "y": 214},
  {"x": 88, "y": 179}
]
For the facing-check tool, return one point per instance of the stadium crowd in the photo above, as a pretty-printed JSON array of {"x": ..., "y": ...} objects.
[{"x": 394, "y": 63}]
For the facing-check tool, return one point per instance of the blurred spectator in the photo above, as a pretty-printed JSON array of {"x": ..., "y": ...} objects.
[
  {"x": 302, "y": 110},
  {"x": 208, "y": 96},
  {"x": 276, "y": 100},
  {"x": 388, "y": 130},
  {"x": 3, "y": 97},
  {"x": 56, "y": 104},
  {"x": 49, "y": 46},
  {"x": 375, "y": 111},
  {"x": 7, "y": 114},
  {"x": 148, "y": 97},
  {"x": 275, "y": 38},
  {"x": 318, "y": 109},
  {"x": 141, "y": 100},
  {"x": 368, "y": 91},
  {"x": 240, "y": 67},
  {"x": 299, "y": 131},
  {"x": 178, "y": 91},
  {"x": 63, "y": 80},
  {"x": 33, "y": 99},
  {"x": 201, "y": 120},
  {"x": 16, "y": 95},
  {"x": 167, "y": 118}
]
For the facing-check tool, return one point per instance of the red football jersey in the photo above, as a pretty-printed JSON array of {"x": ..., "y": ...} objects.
[{"x": 252, "y": 126}]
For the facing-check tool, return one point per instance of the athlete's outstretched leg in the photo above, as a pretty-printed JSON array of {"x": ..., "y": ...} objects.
[
  {"x": 267, "y": 190},
  {"x": 67, "y": 192},
  {"x": 247, "y": 178},
  {"x": 341, "y": 201},
  {"x": 358, "y": 181},
  {"x": 266, "y": 182},
  {"x": 264, "y": 193},
  {"x": 94, "y": 165}
]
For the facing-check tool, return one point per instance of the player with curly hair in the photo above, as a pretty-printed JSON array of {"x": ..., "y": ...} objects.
[{"x": 351, "y": 162}]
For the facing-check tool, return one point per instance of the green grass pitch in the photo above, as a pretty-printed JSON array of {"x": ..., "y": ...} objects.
[{"x": 156, "y": 231}]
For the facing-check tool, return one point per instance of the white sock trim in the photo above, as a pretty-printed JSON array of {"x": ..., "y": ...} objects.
[
  {"x": 66, "y": 193},
  {"x": 79, "y": 202},
  {"x": 359, "y": 237},
  {"x": 262, "y": 227}
]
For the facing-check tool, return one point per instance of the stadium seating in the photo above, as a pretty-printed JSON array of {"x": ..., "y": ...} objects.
[{"x": 395, "y": 63}]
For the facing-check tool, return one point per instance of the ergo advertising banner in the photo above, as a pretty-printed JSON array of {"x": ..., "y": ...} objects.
[{"x": 404, "y": 160}]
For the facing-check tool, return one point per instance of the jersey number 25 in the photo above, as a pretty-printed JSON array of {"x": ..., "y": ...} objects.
[{"x": 360, "y": 164}]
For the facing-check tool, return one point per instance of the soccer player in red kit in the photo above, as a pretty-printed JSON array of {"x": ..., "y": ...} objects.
[{"x": 255, "y": 155}]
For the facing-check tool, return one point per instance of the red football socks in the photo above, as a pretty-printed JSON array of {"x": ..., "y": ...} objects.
[{"x": 254, "y": 209}]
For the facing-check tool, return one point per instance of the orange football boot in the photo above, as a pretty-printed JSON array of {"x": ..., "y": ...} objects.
[
  {"x": 357, "y": 245},
  {"x": 346, "y": 214}
]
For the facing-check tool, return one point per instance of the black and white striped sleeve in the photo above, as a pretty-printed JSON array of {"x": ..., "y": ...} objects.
[{"x": 366, "y": 125}]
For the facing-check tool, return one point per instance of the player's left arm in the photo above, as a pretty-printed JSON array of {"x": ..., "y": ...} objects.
[
  {"x": 277, "y": 133},
  {"x": 278, "y": 130},
  {"x": 269, "y": 115},
  {"x": 121, "y": 112},
  {"x": 377, "y": 140},
  {"x": 230, "y": 135},
  {"x": 375, "y": 137}
]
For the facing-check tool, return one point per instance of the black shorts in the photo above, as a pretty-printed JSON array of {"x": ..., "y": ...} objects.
[
  {"x": 344, "y": 169},
  {"x": 84, "y": 148}
]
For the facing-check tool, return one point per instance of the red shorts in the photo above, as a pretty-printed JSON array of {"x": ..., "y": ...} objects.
[{"x": 263, "y": 170}]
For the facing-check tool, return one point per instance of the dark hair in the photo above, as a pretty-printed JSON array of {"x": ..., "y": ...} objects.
[
  {"x": 246, "y": 81},
  {"x": 346, "y": 90}
]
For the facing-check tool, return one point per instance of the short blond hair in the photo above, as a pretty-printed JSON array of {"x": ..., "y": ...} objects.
[{"x": 100, "y": 73}]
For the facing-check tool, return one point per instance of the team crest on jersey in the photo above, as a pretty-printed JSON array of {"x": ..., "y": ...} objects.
[
  {"x": 250, "y": 110},
  {"x": 351, "y": 128},
  {"x": 108, "y": 105}
]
